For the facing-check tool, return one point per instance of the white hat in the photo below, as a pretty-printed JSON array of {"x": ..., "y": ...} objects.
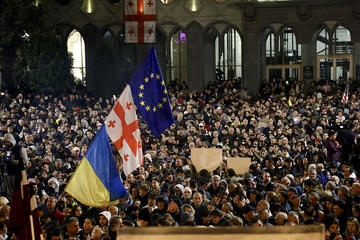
[
  {"x": 3, "y": 201},
  {"x": 148, "y": 156},
  {"x": 106, "y": 214},
  {"x": 9, "y": 138},
  {"x": 188, "y": 189},
  {"x": 54, "y": 183},
  {"x": 181, "y": 187}
]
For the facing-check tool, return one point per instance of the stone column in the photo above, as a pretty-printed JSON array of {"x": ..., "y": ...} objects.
[
  {"x": 356, "y": 60},
  {"x": 252, "y": 62},
  {"x": 308, "y": 58},
  {"x": 195, "y": 58},
  {"x": 89, "y": 33}
]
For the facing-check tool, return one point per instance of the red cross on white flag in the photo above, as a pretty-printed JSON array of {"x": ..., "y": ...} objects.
[
  {"x": 123, "y": 129},
  {"x": 140, "y": 21}
]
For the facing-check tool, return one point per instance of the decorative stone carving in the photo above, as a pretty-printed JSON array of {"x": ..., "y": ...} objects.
[
  {"x": 250, "y": 12},
  {"x": 304, "y": 11}
]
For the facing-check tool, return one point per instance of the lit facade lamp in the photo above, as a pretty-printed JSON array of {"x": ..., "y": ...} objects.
[
  {"x": 37, "y": 3},
  {"x": 88, "y": 6},
  {"x": 193, "y": 5}
]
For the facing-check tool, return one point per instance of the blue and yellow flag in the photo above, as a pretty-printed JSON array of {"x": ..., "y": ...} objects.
[
  {"x": 96, "y": 181},
  {"x": 150, "y": 95}
]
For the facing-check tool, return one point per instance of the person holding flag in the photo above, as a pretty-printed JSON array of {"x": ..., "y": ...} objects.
[
  {"x": 96, "y": 182},
  {"x": 24, "y": 221},
  {"x": 345, "y": 97}
]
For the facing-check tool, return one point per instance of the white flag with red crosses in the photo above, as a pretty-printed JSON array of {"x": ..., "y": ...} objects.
[
  {"x": 123, "y": 129},
  {"x": 140, "y": 21}
]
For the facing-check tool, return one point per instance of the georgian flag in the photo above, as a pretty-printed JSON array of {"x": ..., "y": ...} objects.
[
  {"x": 123, "y": 129},
  {"x": 140, "y": 21}
]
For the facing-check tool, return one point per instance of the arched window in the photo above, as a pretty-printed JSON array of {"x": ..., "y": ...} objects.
[
  {"x": 322, "y": 43},
  {"x": 342, "y": 39},
  {"x": 178, "y": 55},
  {"x": 334, "y": 55},
  {"x": 270, "y": 49},
  {"x": 289, "y": 49},
  {"x": 76, "y": 47},
  {"x": 283, "y": 55},
  {"x": 228, "y": 54}
]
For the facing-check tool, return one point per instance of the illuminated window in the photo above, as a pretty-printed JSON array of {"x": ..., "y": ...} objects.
[
  {"x": 228, "y": 55},
  {"x": 334, "y": 55},
  {"x": 342, "y": 38},
  {"x": 178, "y": 53},
  {"x": 322, "y": 43},
  {"x": 270, "y": 48},
  {"x": 76, "y": 47}
]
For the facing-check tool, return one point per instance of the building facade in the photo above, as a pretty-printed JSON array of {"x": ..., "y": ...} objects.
[{"x": 253, "y": 40}]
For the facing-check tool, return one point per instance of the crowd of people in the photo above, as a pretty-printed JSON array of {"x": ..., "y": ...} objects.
[{"x": 300, "y": 136}]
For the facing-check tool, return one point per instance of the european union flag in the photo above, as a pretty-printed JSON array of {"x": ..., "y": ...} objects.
[{"x": 150, "y": 95}]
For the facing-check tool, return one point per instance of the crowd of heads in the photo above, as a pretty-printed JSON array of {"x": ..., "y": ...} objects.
[{"x": 300, "y": 136}]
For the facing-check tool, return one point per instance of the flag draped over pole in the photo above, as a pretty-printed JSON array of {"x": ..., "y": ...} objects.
[
  {"x": 140, "y": 21},
  {"x": 96, "y": 182},
  {"x": 123, "y": 129},
  {"x": 345, "y": 97},
  {"x": 24, "y": 221}
]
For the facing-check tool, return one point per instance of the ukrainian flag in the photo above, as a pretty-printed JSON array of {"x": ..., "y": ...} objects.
[{"x": 96, "y": 181}]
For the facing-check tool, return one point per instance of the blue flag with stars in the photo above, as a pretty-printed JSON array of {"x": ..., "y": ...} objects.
[{"x": 150, "y": 95}]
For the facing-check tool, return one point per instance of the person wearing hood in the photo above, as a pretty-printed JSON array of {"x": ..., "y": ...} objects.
[
  {"x": 15, "y": 159},
  {"x": 174, "y": 209},
  {"x": 162, "y": 203},
  {"x": 104, "y": 220}
]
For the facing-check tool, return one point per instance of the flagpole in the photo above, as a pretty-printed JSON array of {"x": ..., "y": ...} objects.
[{"x": 32, "y": 228}]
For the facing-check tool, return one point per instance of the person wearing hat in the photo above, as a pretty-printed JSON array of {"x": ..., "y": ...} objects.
[
  {"x": 162, "y": 203},
  {"x": 15, "y": 160},
  {"x": 3, "y": 201},
  {"x": 104, "y": 219},
  {"x": 147, "y": 159}
]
